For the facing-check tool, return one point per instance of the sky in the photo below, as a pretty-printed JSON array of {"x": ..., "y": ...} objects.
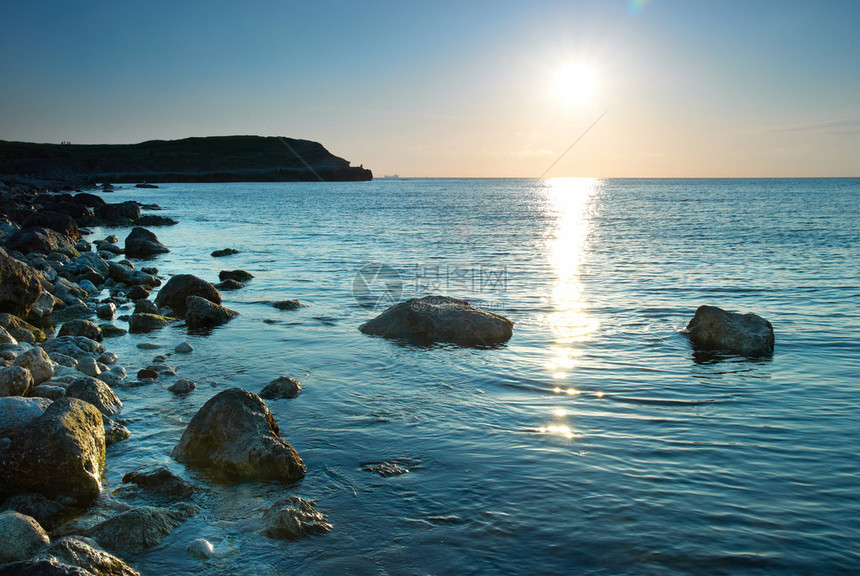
[{"x": 677, "y": 88}]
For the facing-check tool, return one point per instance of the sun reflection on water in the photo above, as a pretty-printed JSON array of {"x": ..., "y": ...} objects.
[{"x": 571, "y": 203}]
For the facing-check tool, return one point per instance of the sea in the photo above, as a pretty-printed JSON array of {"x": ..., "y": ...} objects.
[{"x": 595, "y": 441}]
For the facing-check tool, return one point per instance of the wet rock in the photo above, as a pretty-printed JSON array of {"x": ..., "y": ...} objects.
[
  {"x": 237, "y": 275},
  {"x": 62, "y": 359},
  {"x": 281, "y": 387},
  {"x": 38, "y": 362},
  {"x": 111, "y": 331},
  {"x": 146, "y": 307},
  {"x": 15, "y": 381},
  {"x": 97, "y": 393},
  {"x": 48, "y": 391},
  {"x": 201, "y": 313},
  {"x": 113, "y": 377},
  {"x": 140, "y": 527},
  {"x": 440, "y": 319},
  {"x": 108, "y": 358},
  {"x": 75, "y": 346},
  {"x": 44, "y": 305},
  {"x": 20, "y": 536},
  {"x": 19, "y": 286},
  {"x": 224, "y": 252},
  {"x": 39, "y": 566},
  {"x": 138, "y": 293},
  {"x": 45, "y": 511},
  {"x": 235, "y": 433},
  {"x": 182, "y": 386},
  {"x": 89, "y": 366},
  {"x": 287, "y": 304},
  {"x": 177, "y": 290},
  {"x": 114, "y": 431},
  {"x": 183, "y": 348},
  {"x": 142, "y": 243},
  {"x": 41, "y": 240},
  {"x": 128, "y": 275},
  {"x": 16, "y": 412},
  {"x": 713, "y": 328},
  {"x": 82, "y": 553},
  {"x": 156, "y": 220},
  {"x": 201, "y": 549},
  {"x": 81, "y": 327},
  {"x": 73, "y": 312},
  {"x": 20, "y": 330},
  {"x": 90, "y": 261},
  {"x": 142, "y": 323},
  {"x": 6, "y": 338},
  {"x": 386, "y": 469},
  {"x": 292, "y": 518},
  {"x": 123, "y": 213},
  {"x": 149, "y": 346},
  {"x": 228, "y": 285},
  {"x": 160, "y": 481},
  {"x": 58, "y": 454},
  {"x": 106, "y": 310},
  {"x": 89, "y": 287}
]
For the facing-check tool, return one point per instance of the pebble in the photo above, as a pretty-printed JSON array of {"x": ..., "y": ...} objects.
[
  {"x": 182, "y": 386},
  {"x": 184, "y": 348},
  {"x": 201, "y": 548}
]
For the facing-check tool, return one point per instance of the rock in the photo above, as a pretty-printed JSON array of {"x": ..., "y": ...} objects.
[
  {"x": 122, "y": 273},
  {"x": 82, "y": 553},
  {"x": 149, "y": 346},
  {"x": 744, "y": 334},
  {"x": 62, "y": 359},
  {"x": 287, "y": 304},
  {"x": 19, "y": 286},
  {"x": 6, "y": 338},
  {"x": 111, "y": 331},
  {"x": 75, "y": 346},
  {"x": 177, "y": 290},
  {"x": 97, "y": 393},
  {"x": 228, "y": 285},
  {"x": 37, "y": 361},
  {"x": 20, "y": 537},
  {"x": 183, "y": 348},
  {"x": 141, "y": 323},
  {"x": 113, "y": 377},
  {"x": 147, "y": 373},
  {"x": 142, "y": 243},
  {"x": 235, "y": 433},
  {"x": 108, "y": 358},
  {"x": 440, "y": 319},
  {"x": 281, "y": 387},
  {"x": 88, "y": 287},
  {"x": 41, "y": 240},
  {"x": 237, "y": 275},
  {"x": 73, "y": 312},
  {"x": 201, "y": 549},
  {"x": 201, "y": 313},
  {"x": 106, "y": 311},
  {"x": 62, "y": 223},
  {"x": 16, "y": 412},
  {"x": 81, "y": 328},
  {"x": 156, "y": 220},
  {"x": 89, "y": 366},
  {"x": 145, "y": 185},
  {"x": 138, "y": 293},
  {"x": 48, "y": 391},
  {"x": 92, "y": 261},
  {"x": 21, "y": 330},
  {"x": 83, "y": 246},
  {"x": 224, "y": 252},
  {"x": 160, "y": 481},
  {"x": 182, "y": 386},
  {"x": 140, "y": 527},
  {"x": 114, "y": 431},
  {"x": 44, "y": 305},
  {"x": 293, "y": 518},
  {"x": 146, "y": 307},
  {"x": 121, "y": 214},
  {"x": 58, "y": 454},
  {"x": 42, "y": 567},
  {"x": 15, "y": 381},
  {"x": 45, "y": 511}
]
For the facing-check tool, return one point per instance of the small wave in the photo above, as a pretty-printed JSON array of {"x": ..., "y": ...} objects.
[{"x": 659, "y": 401}]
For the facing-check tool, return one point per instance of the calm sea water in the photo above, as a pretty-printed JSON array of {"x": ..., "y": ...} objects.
[{"x": 594, "y": 442}]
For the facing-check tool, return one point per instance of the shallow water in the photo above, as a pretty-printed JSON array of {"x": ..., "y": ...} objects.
[{"x": 595, "y": 441}]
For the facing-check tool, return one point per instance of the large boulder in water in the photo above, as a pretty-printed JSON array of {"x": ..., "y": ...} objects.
[
  {"x": 174, "y": 293},
  {"x": 141, "y": 243},
  {"x": 19, "y": 286},
  {"x": 201, "y": 313},
  {"x": 235, "y": 433},
  {"x": 59, "y": 454},
  {"x": 716, "y": 329},
  {"x": 440, "y": 319}
]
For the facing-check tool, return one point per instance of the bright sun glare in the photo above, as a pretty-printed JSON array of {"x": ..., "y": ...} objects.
[{"x": 575, "y": 84}]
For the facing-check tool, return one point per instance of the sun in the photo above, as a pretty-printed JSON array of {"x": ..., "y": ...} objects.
[{"x": 575, "y": 84}]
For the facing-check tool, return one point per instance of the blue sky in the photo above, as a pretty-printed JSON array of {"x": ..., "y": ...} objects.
[{"x": 692, "y": 88}]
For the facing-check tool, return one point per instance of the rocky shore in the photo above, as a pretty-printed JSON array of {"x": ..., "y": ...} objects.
[{"x": 62, "y": 298}]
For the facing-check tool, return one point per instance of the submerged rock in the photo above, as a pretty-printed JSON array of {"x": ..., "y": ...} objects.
[
  {"x": 713, "y": 328},
  {"x": 180, "y": 287},
  {"x": 182, "y": 386},
  {"x": 237, "y": 275},
  {"x": 224, "y": 252},
  {"x": 201, "y": 313},
  {"x": 293, "y": 518},
  {"x": 235, "y": 433},
  {"x": 140, "y": 527},
  {"x": 142, "y": 323},
  {"x": 287, "y": 304},
  {"x": 281, "y": 387},
  {"x": 201, "y": 548},
  {"x": 440, "y": 319},
  {"x": 141, "y": 243},
  {"x": 161, "y": 481},
  {"x": 58, "y": 454},
  {"x": 20, "y": 536},
  {"x": 228, "y": 285}
]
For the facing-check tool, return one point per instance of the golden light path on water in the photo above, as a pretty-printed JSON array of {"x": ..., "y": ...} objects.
[{"x": 570, "y": 201}]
